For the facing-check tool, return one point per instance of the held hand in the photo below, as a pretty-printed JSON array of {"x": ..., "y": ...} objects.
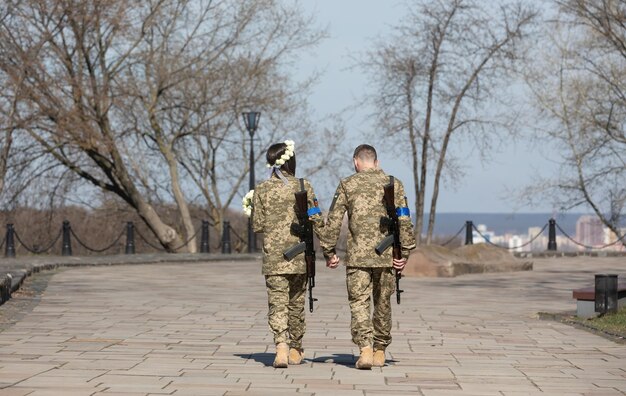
[
  {"x": 399, "y": 264},
  {"x": 332, "y": 262},
  {"x": 329, "y": 262}
]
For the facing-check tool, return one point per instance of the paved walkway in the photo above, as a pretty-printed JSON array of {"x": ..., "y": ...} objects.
[{"x": 200, "y": 329}]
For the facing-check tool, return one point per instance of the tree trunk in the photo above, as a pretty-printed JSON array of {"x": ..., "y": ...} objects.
[
  {"x": 419, "y": 191},
  {"x": 4, "y": 157},
  {"x": 432, "y": 76},
  {"x": 181, "y": 202},
  {"x": 167, "y": 236},
  {"x": 183, "y": 208},
  {"x": 433, "y": 202}
]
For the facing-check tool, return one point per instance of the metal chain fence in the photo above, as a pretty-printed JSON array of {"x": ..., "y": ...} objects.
[
  {"x": 161, "y": 248},
  {"x": 513, "y": 247},
  {"x": 35, "y": 250},
  {"x": 71, "y": 233},
  {"x": 621, "y": 239},
  {"x": 454, "y": 237},
  {"x": 95, "y": 250}
]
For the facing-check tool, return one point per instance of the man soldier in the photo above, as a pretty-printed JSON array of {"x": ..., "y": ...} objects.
[
  {"x": 273, "y": 212},
  {"x": 367, "y": 273}
]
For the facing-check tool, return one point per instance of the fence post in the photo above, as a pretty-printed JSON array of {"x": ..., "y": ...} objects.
[
  {"x": 552, "y": 235},
  {"x": 130, "y": 238},
  {"x": 469, "y": 239},
  {"x": 226, "y": 237},
  {"x": 204, "y": 240},
  {"x": 67, "y": 243},
  {"x": 9, "y": 250}
]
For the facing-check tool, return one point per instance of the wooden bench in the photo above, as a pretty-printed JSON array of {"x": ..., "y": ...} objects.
[{"x": 586, "y": 298}]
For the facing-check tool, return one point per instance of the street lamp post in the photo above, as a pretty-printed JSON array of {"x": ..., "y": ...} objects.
[{"x": 251, "y": 119}]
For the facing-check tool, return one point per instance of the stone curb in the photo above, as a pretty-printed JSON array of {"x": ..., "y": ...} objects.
[
  {"x": 14, "y": 271},
  {"x": 462, "y": 268}
]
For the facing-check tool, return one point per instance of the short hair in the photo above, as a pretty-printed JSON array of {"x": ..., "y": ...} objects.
[
  {"x": 275, "y": 151},
  {"x": 365, "y": 152}
]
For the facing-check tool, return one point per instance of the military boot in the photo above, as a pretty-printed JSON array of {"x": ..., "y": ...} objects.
[
  {"x": 296, "y": 355},
  {"x": 366, "y": 359},
  {"x": 379, "y": 358},
  {"x": 282, "y": 355}
]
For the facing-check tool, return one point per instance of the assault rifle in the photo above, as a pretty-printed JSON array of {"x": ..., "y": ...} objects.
[
  {"x": 304, "y": 230},
  {"x": 393, "y": 227}
]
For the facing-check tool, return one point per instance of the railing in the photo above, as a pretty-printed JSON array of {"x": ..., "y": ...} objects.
[
  {"x": 551, "y": 225},
  {"x": 66, "y": 234}
]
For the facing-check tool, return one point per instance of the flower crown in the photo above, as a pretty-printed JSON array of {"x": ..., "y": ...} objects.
[
  {"x": 246, "y": 202},
  {"x": 289, "y": 152}
]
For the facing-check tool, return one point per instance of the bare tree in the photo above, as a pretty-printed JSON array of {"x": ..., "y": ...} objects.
[
  {"x": 6, "y": 141},
  {"x": 579, "y": 87},
  {"x": 188, "y": 89},
  {"x": 117, "y": 91},
  {"x": 21, "y": 163},
  {"x": 7, "y": 127},
  {"x": 438, "y": 77}
]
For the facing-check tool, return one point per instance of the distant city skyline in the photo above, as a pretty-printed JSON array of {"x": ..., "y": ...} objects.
[
  {"x": 503, "y": 223},
  {"x": 590, "y": 234}
]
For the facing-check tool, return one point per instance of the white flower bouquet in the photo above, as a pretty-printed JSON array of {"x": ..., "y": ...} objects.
[{"x": 246, "y": 202}]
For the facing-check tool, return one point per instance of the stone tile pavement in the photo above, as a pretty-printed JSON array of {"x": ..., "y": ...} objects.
[
  {"x": 200, "y": 329},
  {"x": 13, "y": 271}
]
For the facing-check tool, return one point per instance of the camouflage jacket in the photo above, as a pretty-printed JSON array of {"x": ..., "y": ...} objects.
[
  {"x": 361, "y": 195},
  {"x": 273, "y": 211}
]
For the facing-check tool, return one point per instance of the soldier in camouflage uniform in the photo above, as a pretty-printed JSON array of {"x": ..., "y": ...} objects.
[
  {"x": 272, "y": 214},
  {"x": 367, "y": 273}
]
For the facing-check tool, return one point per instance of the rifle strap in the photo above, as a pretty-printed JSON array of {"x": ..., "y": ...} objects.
[
  {"x": 391, "y": 183},
  {"x": 392, "y": 189},
  {"x": 302, "y": 184}
]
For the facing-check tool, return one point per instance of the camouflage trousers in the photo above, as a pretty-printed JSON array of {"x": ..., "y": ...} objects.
[
  {"x": 285, "y": 297},
  {"x": 363, "y": 284}
]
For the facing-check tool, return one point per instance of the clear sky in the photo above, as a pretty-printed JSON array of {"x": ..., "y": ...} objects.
[{"x": 352, "y": 24}]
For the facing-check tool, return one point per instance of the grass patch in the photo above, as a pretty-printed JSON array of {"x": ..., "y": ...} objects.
[
  {"x": 609, "y": 323},
  {"x": 611, "y": 326}
]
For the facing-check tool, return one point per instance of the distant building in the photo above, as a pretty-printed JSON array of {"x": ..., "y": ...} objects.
[
  {"x": 540, "y": 242},
  {"x": 563, "y": 244},
  {"x": 487, "y": 236},
  {"x": 516, "y": 242},
  {"x": 590, "y": 231}
]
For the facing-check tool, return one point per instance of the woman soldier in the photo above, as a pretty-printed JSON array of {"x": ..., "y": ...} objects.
[{"x": 274, "y": 210}]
